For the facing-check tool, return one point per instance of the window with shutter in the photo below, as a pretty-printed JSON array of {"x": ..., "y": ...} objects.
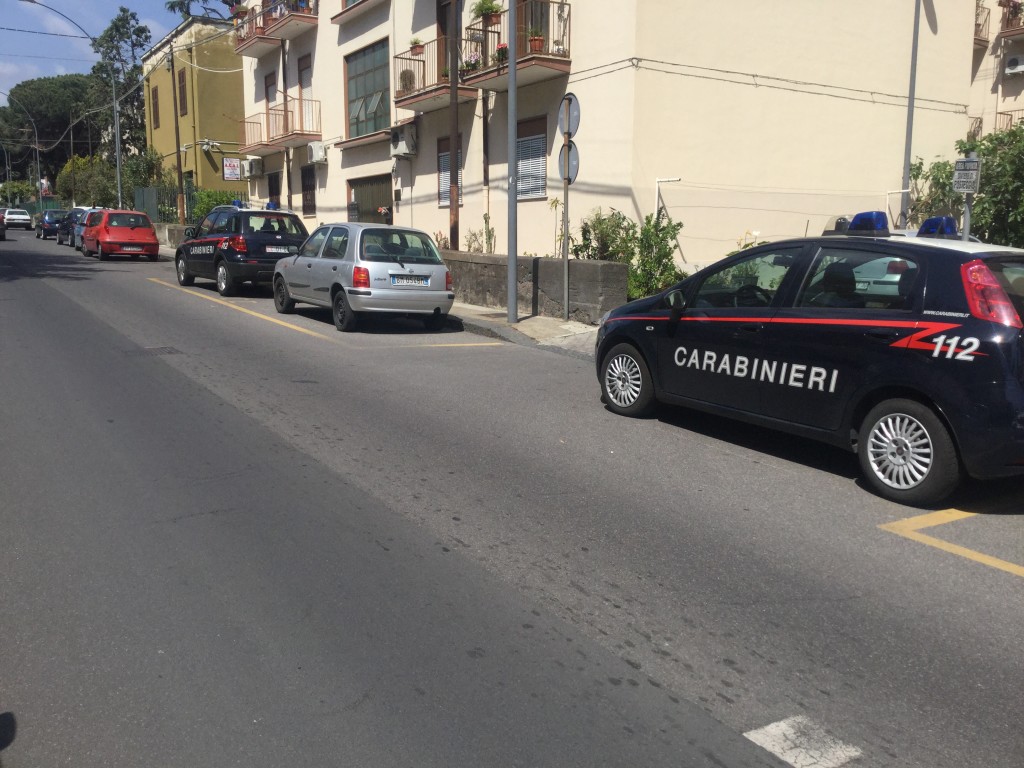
[
  {"x": 532, "y": 159},
  {"x": 444, "y": 191},
  {"x": 309, "y": 190},
  {"x": 155, "y": 106},
  {"x": 182, "y": 102}
]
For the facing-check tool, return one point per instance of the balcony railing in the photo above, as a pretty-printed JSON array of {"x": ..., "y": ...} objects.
[
  {"x": 263, "y": 26},
  {"x": 982, "y": 21},
  {"x": 544, "y": 28},
  {"x": 282, "y": 125},
  {"x": 1006, "y": 120},
  {"x": 1013, "y": 21}
]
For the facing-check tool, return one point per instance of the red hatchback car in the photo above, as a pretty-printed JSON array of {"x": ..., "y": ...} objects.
[{"x": 117, "y": 233}]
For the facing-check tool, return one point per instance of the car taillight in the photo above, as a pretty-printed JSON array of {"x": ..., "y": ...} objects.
[
  {"x": 360, "y": 277},
  {"x": 447, "y": 281},
  {"x": 985, "y": 297},
  {"x": 896, "y": 267},
  {"x": 236, "y": 242}
]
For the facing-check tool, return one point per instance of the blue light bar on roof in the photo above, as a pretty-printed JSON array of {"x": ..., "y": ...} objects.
[
  {"x": 869, "y": 222},
  {"x": 938, "y": 226}
]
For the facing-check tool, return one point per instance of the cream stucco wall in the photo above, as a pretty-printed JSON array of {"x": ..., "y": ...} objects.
[{"x": 773, "y": 116}]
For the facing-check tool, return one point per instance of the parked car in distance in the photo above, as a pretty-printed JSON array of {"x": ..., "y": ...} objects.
[
  {"x": 80, "y": 228},
  {"x": 119, "y": 233},
  {"x": 66, "y": 226},
  {"x": 18, "y": 217},
  {"x": 366, "y": 268},
  {"x": 233, "y": 245},
  {"x": 46, "y": 226}
]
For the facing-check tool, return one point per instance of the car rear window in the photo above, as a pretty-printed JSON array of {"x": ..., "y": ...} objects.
[
  {"x": 391, "y": 245},
  {"x": 17, "y": 211},
  {"x": 272, "y": 223},
  {"x": 132, "y": 220},
  {"x": 1010, "y": 274}
]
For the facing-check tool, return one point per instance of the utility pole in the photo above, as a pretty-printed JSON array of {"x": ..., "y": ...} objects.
[
  {"x": 513, "y": 179},
  {"x": 177, "y": 139},
  {"x": 905, "y": 197},
  {"x": 453, "y": 125}
]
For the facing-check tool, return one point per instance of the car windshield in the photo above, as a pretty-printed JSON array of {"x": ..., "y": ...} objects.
[
  {"x": 132, "y": 220},
  {"x": 52, "y": 215},
  {"x": 399, "y": 245},
  {"x": 272, "y": 224}
]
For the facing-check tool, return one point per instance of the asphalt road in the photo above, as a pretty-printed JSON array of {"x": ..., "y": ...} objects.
[{"x": 232, "y": 537}]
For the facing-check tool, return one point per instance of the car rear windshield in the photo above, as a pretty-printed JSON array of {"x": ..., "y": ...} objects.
[
  {"x": 132, "y": 220},
  {"x": 1010, "y": 274},
  {"x": 52, "y": 214},
  {"x": 272, "y": 224},
  {"x": 400, "y": 245},
  {"x": 17, "y": 212}
]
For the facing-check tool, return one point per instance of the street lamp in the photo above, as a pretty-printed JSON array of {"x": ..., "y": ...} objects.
[
  {"x": 113, "y": 88},
  {"x": 39, "y": 176}
]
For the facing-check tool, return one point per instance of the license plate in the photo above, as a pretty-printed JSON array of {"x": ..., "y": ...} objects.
[
  {"x": 410, "y": 280},
  {"x": 277, "y": 249},
  {"x": 130, "y": 248}
]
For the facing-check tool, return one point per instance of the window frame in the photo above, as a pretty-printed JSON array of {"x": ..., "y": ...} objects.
[
  {"x": 358, "y": 96},
  {"x": 532, "y": 133},
  {"x": 182, "y": 101},
  {"x": 308, "y": 182},
  {"x": 444, "y": 175},
  {"x": 154, "y": 106}
]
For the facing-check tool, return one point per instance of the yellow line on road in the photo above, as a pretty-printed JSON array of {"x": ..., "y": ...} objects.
[
  {"x": 293, "y": 327},
  {"x": 229, "y": 305},
  {"x": 911, "y": 528}
]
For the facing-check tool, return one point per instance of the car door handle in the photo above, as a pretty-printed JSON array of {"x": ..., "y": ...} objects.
[
  {"x": 334, "y": 269},
  {"x": 883, "y": 334},
  {"x": 309, "y": 266}
]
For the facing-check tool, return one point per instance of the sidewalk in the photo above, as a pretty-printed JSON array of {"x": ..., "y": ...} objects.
[{"x": 566, "y": 336}]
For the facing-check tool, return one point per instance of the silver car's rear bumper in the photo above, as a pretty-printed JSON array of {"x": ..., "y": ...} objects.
[{"x": 401, "y": 300}]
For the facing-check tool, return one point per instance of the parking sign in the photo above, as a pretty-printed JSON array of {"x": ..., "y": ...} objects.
[{"x": 966, "y": 176}]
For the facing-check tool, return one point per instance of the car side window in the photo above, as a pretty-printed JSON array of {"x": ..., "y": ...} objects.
[
  {"x": 853, "y": 278},
  {"x": 311, "y": 247},
  {"x": 749, "y": 282},
  {"x": 207, "y": 226},
  {"x": 222, "y": 224},
  {"x": 94, "y": 218},
  {"x": 337, "y": 244}
]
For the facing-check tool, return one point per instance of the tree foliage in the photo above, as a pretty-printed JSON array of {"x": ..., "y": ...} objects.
[
  {"x": 998, "y": 212},
  {"x": 120, "y": 47}
]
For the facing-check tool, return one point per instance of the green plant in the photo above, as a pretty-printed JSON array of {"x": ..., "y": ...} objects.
[
  {"x": 415, "y": 41},
  {"x": 488, "y": 234},
  {"x": 535, "y": 32},
  {"x": 603, "y": 236},
  {"x": 653, "y": 267},
  {"x": 208, "y": 199},
  {"x": 442, "y": 241},
  {"x": 481, "y": 7}
]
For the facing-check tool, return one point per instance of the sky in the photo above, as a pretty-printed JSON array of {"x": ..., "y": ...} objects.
[{"x": 35, "y": 42}]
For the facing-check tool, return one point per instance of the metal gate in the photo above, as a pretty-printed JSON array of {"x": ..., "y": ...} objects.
[{"x": 371, "y": 199}]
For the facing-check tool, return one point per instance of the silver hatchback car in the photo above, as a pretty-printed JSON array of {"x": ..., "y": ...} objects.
[{"x": 356, "y": 268}]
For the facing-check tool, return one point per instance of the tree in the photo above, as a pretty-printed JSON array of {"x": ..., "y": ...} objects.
[
  {"x": 184, "y": 7},
  {"x": 120, "y": 47},
  {"x": 932, "y": 192},
  {"x": 998, "y": 212}
]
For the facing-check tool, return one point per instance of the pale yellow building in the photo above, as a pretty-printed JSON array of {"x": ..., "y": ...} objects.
[
  {"x": 746, "y": 120},
  {"x": 202, "y": 97}
]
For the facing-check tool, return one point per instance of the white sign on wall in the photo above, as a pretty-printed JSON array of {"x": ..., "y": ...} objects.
[{"x": 232, "y": 169}]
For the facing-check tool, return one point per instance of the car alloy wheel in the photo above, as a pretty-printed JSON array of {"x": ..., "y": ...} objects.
[
  {"x": 184, "y": 276},
  {"x": 226, "y": 286},
  {"x": 907, "y": 453},
  {"x": 626, "y": 381}
]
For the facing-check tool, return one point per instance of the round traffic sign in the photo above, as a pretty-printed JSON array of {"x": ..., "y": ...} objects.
[
  {"x": 574, "y": 163},
  {"x": 571, "y": 105}
]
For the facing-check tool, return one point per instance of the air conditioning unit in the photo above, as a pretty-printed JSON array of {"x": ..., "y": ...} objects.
[
  {"x": 316, "y": 152},
  {"x": 403, "y": 140},
  {"x": 1014, "y": 65},
  {"x": 252, "y": 169}
]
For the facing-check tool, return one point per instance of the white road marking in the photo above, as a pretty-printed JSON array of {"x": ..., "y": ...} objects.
[{"x": 803, "y": 744}]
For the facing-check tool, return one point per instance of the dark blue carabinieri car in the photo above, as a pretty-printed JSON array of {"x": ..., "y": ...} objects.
[{"x": 907, "y": 351}]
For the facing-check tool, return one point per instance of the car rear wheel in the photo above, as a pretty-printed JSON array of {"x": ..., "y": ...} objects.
[
  {"x": 283, "y": 302},
  {"x": 344, "y": 318},
  {"x": 99, "y": 252},
  {"x": 907, "y": 454},
  {"x": 626, "y": 381},
  {"x": 83, "y": 250},
  {"x": 39, "y": 233},
  {"x": 184, "y": 276},
  {"x": 226, "y": 285}
]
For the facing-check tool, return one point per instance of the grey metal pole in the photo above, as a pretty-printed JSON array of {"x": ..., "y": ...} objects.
[
  {"x": 565, "y": 215},
  {"x": 513, "y": 179},
  {"x": 905, "y": 187},
  {"x": 35, "y": 132}
]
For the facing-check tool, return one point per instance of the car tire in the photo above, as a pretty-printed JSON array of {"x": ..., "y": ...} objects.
[
  {"x": 435, "y": 322},
  {"x": 84, "y": 251},
  {"x": 153, "y": 256},
  {"x": 226, "y": 285},
  {"x": 907, "y": 454},
  {"x": 181, "y": 270},
  {"x": 39, "y": 234},
  {"x": 99, "y": 252},
  {"x": 626, "y": 382},
  {"x": 283, "y": 302},
  {"x": 345, "y": 319}
]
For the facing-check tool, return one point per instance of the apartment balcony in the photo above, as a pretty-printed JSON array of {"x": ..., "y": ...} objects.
[
  {"x": 282, "y": 125},
  {"x": 262, "y": 29},
  {"x": 982, "y": 22},
  {"x": 542, "y": 46},
  {"x": 353, "y": 9},
  {"x": 1012, "y": 23},
  {"x": 1006, "y": 120},
  {"x": 421, "y": 78}
]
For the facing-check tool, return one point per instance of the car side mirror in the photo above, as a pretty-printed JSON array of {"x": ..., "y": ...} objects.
[
  {"x": 293, "y": 249},
  {"x": 190, "y": 232}
]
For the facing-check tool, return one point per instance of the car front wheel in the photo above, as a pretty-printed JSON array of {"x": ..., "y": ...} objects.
[
  {"x": 344, "y": 318},
  {"x": 226, "y": 285},
  {"x": 283, "y": 302},
  {"x": 626, "y": 381},
  {"x": 184, "y": 276},
  {"x": 907, "y": 454}
]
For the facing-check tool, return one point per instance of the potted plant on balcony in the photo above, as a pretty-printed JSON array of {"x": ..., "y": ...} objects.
[
  {"x": 501, "y": 53},
  {"x": 536, "y": 39},
  {"x": 488, "y": 10},
  {"x": 416, "y": 47},
  {"x": 470, "y": 64}
]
